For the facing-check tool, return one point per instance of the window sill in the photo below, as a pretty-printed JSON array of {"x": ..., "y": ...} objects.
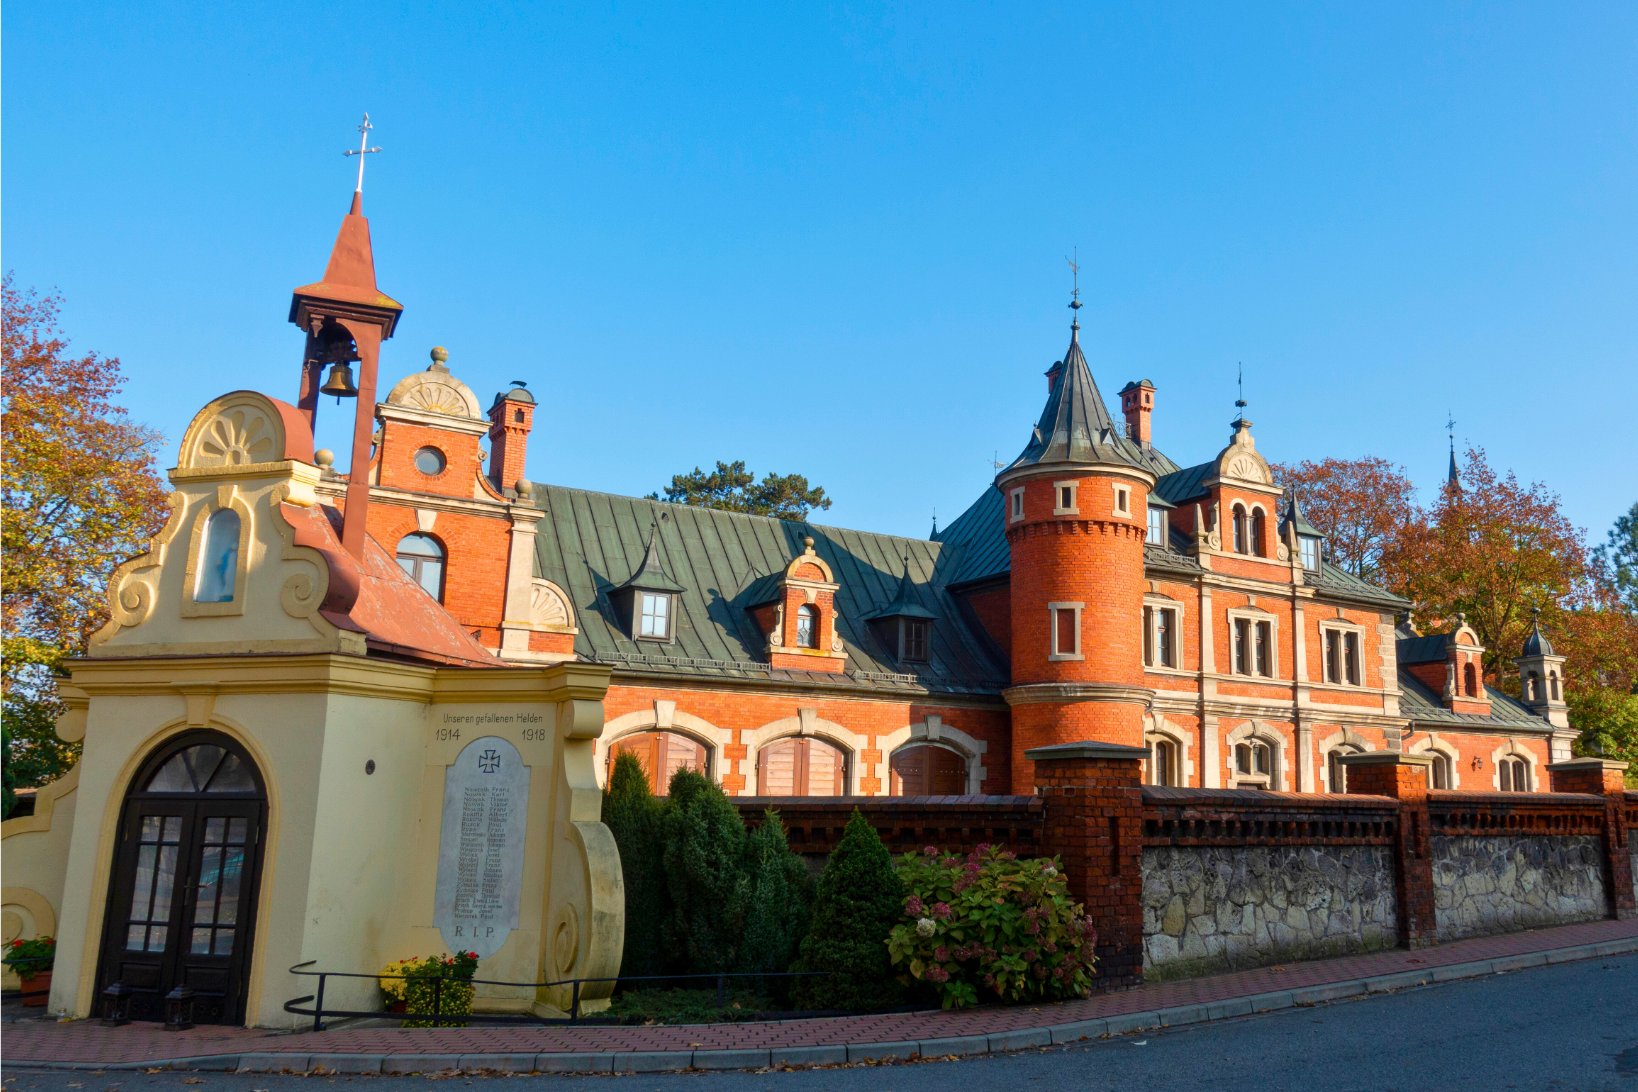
[{"x": 1059, "y": 657}]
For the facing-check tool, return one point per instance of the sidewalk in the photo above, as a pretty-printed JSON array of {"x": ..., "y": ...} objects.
[{"x": 87, "y": 1044}]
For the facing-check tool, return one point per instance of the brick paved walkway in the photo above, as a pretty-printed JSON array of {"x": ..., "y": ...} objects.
[{"x": 86, "y": 1041}]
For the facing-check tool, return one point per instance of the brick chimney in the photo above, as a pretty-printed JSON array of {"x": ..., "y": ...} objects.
[
  {"x": 511, "y": 417},
  {"x": 1137, "y": 401}
]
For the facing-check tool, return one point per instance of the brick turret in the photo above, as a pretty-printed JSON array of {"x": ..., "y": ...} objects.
[
  {"x": 1075, "y": 512},
  {"x": 511, "y": 417},
  {"x": 1137, "y": 402}
]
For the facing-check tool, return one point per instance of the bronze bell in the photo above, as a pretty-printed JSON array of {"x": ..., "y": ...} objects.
[{"x": 340, "y": 383}]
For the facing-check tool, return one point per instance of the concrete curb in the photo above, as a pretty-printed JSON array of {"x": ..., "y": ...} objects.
[{"x": 659, "y": 1061}]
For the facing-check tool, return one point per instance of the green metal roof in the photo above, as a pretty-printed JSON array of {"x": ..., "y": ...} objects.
[
  {"x": 590, "y": 544},
  {"x": 1422, "y": 706}
]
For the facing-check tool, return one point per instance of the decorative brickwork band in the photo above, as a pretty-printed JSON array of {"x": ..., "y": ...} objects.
[
  {"x": 1093, "y": 797},
  {"x": 1404, "y": 778},
  {"x": 1603, "y": 777}
]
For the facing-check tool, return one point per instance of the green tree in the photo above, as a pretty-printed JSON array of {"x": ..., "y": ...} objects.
[
  {"x": 1618, "y": 557},
  {"x": 80, "y": 494},
  {"x": 732, "y": 488},
  {"x": 1608, "y": 720},
  {"x": 779, "y": 893},
  {"x": 858, "y": 901},
  {"x": 633, "y": 815},
  {"x": 705, "y": 877}
]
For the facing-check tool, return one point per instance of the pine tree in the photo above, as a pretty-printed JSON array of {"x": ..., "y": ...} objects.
[
  {"x": 633, "y": 816},
  {"x": 779, "y": 894},
  {"x": 705, "y": 877},
  {"x": 858, "y": 901}
]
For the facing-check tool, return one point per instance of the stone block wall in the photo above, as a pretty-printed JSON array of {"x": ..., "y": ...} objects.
[
  {"x": 1210, "y": 909},
  {"x": 1484, "y": 884}
]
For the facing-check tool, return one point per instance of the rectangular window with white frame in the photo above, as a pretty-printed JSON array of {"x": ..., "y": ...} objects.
[
  {"x": 655, "y": 617},
  {"x": 1064, "y": 496},
  {"x": 1342, "y": 660},
  {"x": 1123, "y": 500},
  {"x": 1157, "y": 526},
  {"x": 1016, "y": 505},
  {"x": 1162, "y": 631},
  {"x": 1253, "y": 639},
  {"x": 1065, "y": 621}
]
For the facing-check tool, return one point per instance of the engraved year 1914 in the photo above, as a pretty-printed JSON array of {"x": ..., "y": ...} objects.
[{"x": 449, "y": 733}]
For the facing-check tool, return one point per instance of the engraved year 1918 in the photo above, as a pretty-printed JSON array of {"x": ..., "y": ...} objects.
[{"x": 536, "y": 733}]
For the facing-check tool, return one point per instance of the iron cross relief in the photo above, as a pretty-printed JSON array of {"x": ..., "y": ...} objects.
[
  {"x": 489, "y": 761},
  {"x": 362, "y": 150}
]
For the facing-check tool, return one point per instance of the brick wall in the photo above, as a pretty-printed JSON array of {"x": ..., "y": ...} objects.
[{"x": 960, "y": 824}]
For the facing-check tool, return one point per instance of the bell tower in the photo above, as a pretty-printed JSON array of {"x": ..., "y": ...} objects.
[
  {"x": 346, "y": 318},
  {"x": 1075, "y": 517},
  {"x": 1541, "y": 677}
]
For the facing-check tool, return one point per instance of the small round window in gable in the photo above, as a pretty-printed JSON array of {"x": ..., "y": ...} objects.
[{"x": 430, "y": 461}]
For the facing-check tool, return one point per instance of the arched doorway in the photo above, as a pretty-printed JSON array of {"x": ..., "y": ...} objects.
[
  {"x": 661, "y": 755},
  {"x": 801, "y": 766},
  {"x": 927, "y": 770},
  {"x": 181, "y": 904}
]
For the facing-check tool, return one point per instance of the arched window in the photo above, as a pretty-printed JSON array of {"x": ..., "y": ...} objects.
[
  {"x": 1514, "y": 775},
  {"x": 1336, "y": 770},
  {"x": 801, "y": 767},
  {"x": 1239, "y": 529},
  {"x": 1439, "y": 772},
  {"x": 1554, "y": 677},
  {"x": 1161, "y": 768},
  {"x": 662, "y": 754},
  {"x": 218, "y": 559},
  {"x": 926, "y": 770},
  {"x": 1470, "y": 681},
  {"x": 1253, "y": 765},
  {"x": 1257, "y": 532},
  {"x": 807, "y": 626},
  {"x": 1532, "y": 687},
  {"x": 422, "y": 556}
]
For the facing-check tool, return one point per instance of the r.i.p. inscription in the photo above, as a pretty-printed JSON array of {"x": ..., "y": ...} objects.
[{"x": 480, "y": 847}]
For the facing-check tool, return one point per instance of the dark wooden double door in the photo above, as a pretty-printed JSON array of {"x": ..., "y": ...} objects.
[{"x": 182, "y": 901}]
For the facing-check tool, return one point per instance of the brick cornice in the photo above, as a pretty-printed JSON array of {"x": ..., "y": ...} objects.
[{"x": 1067, "y": 692}]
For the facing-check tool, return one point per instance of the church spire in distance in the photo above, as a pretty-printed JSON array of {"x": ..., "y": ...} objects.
[{"x": 1452, "y": 479}]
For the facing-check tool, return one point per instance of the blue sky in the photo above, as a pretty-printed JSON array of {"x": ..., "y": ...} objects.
[{"x": 832, "y": 239}]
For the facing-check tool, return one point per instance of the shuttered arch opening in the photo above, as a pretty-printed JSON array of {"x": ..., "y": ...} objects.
[
  {"x": 801, "y": 767},
  {"x": 927, "y": 771},
  {"x": 661, "y": 755}
]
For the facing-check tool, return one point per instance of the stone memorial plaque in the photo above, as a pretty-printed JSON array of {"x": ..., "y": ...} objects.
[{"x": 480, "y": 847}]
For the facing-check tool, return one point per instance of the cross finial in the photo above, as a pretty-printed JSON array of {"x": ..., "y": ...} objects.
[
  {"x": 362, "y": 150},
  {"x": 1075, "y": 294},
  {"x": 1450, "y": 423}
]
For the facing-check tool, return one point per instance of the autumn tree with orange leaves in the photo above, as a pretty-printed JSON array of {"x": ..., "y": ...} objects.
[
  {"x": 79, "y": 493},
  {"x": 1363, "y": 505}
]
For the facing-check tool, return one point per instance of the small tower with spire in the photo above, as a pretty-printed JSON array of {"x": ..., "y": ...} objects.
[
  {"x": 346, "y": 318},
  {"x": 1541, "y": 676},
  {"x": 1075, "y": 517},
  {"x": 1452, "y": 480}
]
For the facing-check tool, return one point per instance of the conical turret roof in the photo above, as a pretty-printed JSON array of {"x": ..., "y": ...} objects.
[
  {"x": 350, "y": 276},
  {"x": 1537, "y": 643},
  {"x": 1075, "y": 426}
]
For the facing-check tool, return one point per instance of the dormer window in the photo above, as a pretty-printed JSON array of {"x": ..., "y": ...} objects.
[
  {"x": 807, "y": 627},
  {"x": 1309, "y": 546},
  {"x": 915, "y": 640},
  {"x": 655, "y": 619},
  {"x": 1157, "y": 526}
]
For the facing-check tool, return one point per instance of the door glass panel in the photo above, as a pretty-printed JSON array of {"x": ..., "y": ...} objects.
[
  {"x": 172, "y": 777},
  {"x": 221, "y": 867},
  {"x": 160, "y": 838},
  {"x": 203, "y": 760}
]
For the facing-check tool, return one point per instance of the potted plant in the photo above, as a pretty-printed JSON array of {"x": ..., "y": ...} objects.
[
  {"x": 393, "y": 980},
  {"x": 32, "y": 960},
  {"x": 444, "y": 982}
]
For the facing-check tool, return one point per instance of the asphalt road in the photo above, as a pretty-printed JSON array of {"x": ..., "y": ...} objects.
[{"x": 1569, "y": 1028}]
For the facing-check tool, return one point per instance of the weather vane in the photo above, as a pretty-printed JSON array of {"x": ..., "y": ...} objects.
[
  {"x": 1450, "y": 423},
  {"x": 1240, "y": 403},
  {"x": 1075, "y": 300},
  {"x": 362, "y": 150}
]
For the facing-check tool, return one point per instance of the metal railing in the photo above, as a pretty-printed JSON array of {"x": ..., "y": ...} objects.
[{"x": 437, "y": 1018}]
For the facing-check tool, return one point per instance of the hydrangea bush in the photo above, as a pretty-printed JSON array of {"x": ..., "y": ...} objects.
[{"x": 990, "y": 923}]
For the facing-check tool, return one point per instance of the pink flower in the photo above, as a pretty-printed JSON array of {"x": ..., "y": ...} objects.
[
  {"x": 1040, "y": 972},
  {"x": 1031, "y": 956},
  {"x": 942, "y": 954},
  {"x": 941, "y": 909},
  {"x": 912, "y": 906},
  {"x": 937, "y": 974},
  {"x": 961, "y": 884},
  {"x": 931, "y": 851},
  {"x": 1052, "y": 946},
  {"x": 1058, "y": 973}
]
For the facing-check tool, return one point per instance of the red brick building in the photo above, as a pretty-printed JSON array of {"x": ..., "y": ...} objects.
[{"x": 1097, "y": 590}]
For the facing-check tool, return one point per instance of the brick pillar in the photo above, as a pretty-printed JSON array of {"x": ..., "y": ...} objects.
[
  {"x": 1404, "y": 778},
  {"x": 1093, "y": 793},
  {"x": 1603, "y": 777}
]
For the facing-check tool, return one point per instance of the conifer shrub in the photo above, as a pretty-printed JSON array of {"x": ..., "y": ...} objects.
[
  {"x": 992, "y": 925},
  {"x": 633, "y": 815},
  {"x": 705, "y": 874},
  {"x": 779, "y": 891},
  {"x": 858, "y": 900}
]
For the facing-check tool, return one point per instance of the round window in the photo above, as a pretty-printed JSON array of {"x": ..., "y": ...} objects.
[{"x": 429, "y": 461}]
